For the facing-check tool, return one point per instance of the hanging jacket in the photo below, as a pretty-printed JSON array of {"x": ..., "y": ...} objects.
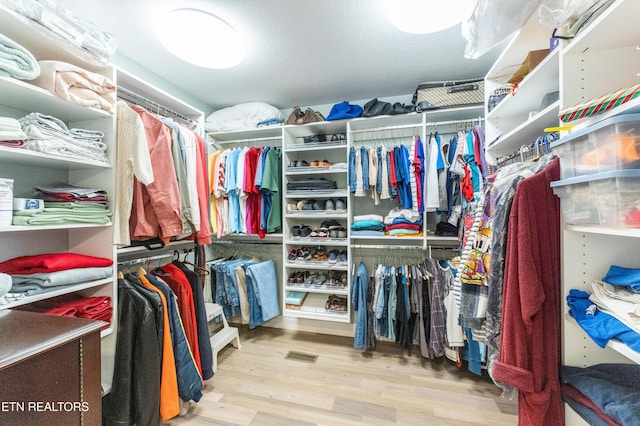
[
  {"x": 189, "y": 380},
  {"x": 136, "y": 374},
  {"x": 169, "y": 401},
  {"x": 202, "y": 324}
]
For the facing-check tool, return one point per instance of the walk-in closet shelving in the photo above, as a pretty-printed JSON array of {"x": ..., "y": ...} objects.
[
  {"x": 258, "y": 137},
  {"x": 519, "y": 119},
  {"x": 601, "y": 58},
  {"x": 30, "y": 168},
  {"x": 307, "y": 269},
  {"x": 597, "y": 61}
]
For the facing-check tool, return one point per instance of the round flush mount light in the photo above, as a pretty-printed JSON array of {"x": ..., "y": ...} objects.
[
  {"x": 201, "y": 38},
  {"x": 427, "y": 16}
]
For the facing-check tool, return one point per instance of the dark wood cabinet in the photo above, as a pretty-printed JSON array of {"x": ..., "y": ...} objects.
[{"x": 49, "y": 370}]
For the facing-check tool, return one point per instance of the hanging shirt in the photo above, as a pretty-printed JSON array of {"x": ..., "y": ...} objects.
[
  {"x": 132, "y": 159},
  {"x": 384, "y": 173},
  {"x": 156, "y": 207},
  {"x": 177, "y": 151},
  {"x": 373, "y": 175},
  {"x": 232, "y": 190},
  {"x": 192, "y": 176},
  {"x": 432, "y": 200},
  {"x": 272, "y": 183}
]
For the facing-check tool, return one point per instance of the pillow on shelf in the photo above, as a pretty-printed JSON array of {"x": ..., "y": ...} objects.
[{"x": 242, "y": 117}]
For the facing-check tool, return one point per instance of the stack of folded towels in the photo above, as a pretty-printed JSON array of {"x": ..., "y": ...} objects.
[
  {"x": 367, "y": 225},
  {"x": 50, "y": 135},
  {"x": 11, "y": 134},
  {"x": 41, "y": 273},
  {"x": 16, "y": 61},
  {"x": 403, "y": 223},
  {"x": 65, "y": 203}
]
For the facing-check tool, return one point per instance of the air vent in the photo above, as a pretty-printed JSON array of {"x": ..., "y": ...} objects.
[{"x": 299, "y": 356}]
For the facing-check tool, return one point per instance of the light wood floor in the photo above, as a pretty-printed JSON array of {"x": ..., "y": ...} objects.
[{"x": 256, "y": 385}]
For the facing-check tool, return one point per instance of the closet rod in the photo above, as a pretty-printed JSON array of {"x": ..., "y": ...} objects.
[
  {"x": 449, "y": 122},
  {"x": 272, "y": 138},
  {"x": 379, "y": 129},
  {"x": 144, "y": 259},
  {"x": 384, "y": 247},
  {"x": 128, "y": 95}
]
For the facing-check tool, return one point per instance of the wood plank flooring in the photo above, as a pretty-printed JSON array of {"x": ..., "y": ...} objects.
[{"x": 256, "y": 385}]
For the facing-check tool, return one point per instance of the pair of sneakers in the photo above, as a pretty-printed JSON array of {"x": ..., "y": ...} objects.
[
  {"x": 338, "y": 256},
  {"x": 300, "y": 231},
  {"x": 338, "y": 204}
]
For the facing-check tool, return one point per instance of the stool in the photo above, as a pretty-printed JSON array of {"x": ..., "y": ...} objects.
[{"x": 222, "y": 337}]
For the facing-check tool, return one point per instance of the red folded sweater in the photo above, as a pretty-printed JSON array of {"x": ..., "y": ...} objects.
[{"x": 52, "y": 262}]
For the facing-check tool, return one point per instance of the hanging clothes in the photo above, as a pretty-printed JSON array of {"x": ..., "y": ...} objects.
[{"x": 529, "y": 345}]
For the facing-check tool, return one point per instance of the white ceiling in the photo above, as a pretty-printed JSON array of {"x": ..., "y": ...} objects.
[{"x": 299, "y": 52}]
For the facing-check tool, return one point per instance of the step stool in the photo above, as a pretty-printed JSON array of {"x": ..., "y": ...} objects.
[{"x": 222, "y": 337}]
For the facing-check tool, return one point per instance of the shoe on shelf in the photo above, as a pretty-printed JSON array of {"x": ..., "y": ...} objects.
[
  {"x": 295, "y": 232},
  {"x": 340, "y": 205},
  {"x": 325, "y": 163},
  {"x": 329, "y": 205},
  {"x": 305, "y": 231},
  {"x": 293, "y": 255},
  {"x": 292, "y": 206},
  {"x": 319, "y": 205},
  {"x": 342, "y": 257},
  {"x": 333, "y": 256},
  {"x": 300, "y": 204},
  {"x": 342, "y": 233}
]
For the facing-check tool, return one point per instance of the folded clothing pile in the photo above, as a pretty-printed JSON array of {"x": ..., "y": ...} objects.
[
  {"x": 95, "y": 308},
  {"x": 11, "y": 134},
  {"x": 50, "y": 135},
  {"x": 16, "y": 61},
  {"x": 403, "y": 223},
  {"x": 367, "y": 225},
  {"x": 65, "y": 203},
  {"x": 95, "y": 46},
  {"x": 312, "y": 185},
  {"x": 37, "y": 274},
  {"x": 603, "y": 393},
  {"x": 77, "y": 85}
]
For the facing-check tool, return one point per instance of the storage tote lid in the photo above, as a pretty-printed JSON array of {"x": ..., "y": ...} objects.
[
  {"x": 623, "y": 118},
  {"x": 629, "y": 173}
]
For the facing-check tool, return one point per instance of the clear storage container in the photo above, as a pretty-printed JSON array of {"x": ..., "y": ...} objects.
[
  {"x": 609, "y": 145},
  {"x": 606, "y": 199}
]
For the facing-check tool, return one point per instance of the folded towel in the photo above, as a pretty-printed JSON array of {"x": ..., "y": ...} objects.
[
  {"x": 17, "y": 61},
  {"x": 77, "y": 85}
]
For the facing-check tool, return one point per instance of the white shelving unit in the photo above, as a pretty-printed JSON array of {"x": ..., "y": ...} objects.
[
  {"x": 613, "y": 38},
  {"x": 509, "y": 125},
  {"x": 294, "y": 150},
  {"x": 30, "y": 168},
  {"x": 602, "y": 58}
]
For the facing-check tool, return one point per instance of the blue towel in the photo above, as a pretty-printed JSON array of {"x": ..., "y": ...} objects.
[{"x": 628, "y": 277}]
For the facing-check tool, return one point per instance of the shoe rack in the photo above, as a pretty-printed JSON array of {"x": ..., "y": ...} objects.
[{"x": 315, "y": 232}]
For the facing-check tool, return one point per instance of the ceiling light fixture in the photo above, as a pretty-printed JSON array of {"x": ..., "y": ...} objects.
[
  {"x": 427, "y": 16},
  {"x": 200, "y": 38}
]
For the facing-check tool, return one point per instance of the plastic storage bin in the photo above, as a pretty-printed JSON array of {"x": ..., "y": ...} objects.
[
  {"x": 609, "y": 145},
  {"x": 606, "y": 199}
]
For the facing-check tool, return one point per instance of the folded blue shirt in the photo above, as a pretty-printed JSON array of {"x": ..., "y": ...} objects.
[
  {"x": 618, "y": 275},
  {"x": 600, "y": 326}
]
